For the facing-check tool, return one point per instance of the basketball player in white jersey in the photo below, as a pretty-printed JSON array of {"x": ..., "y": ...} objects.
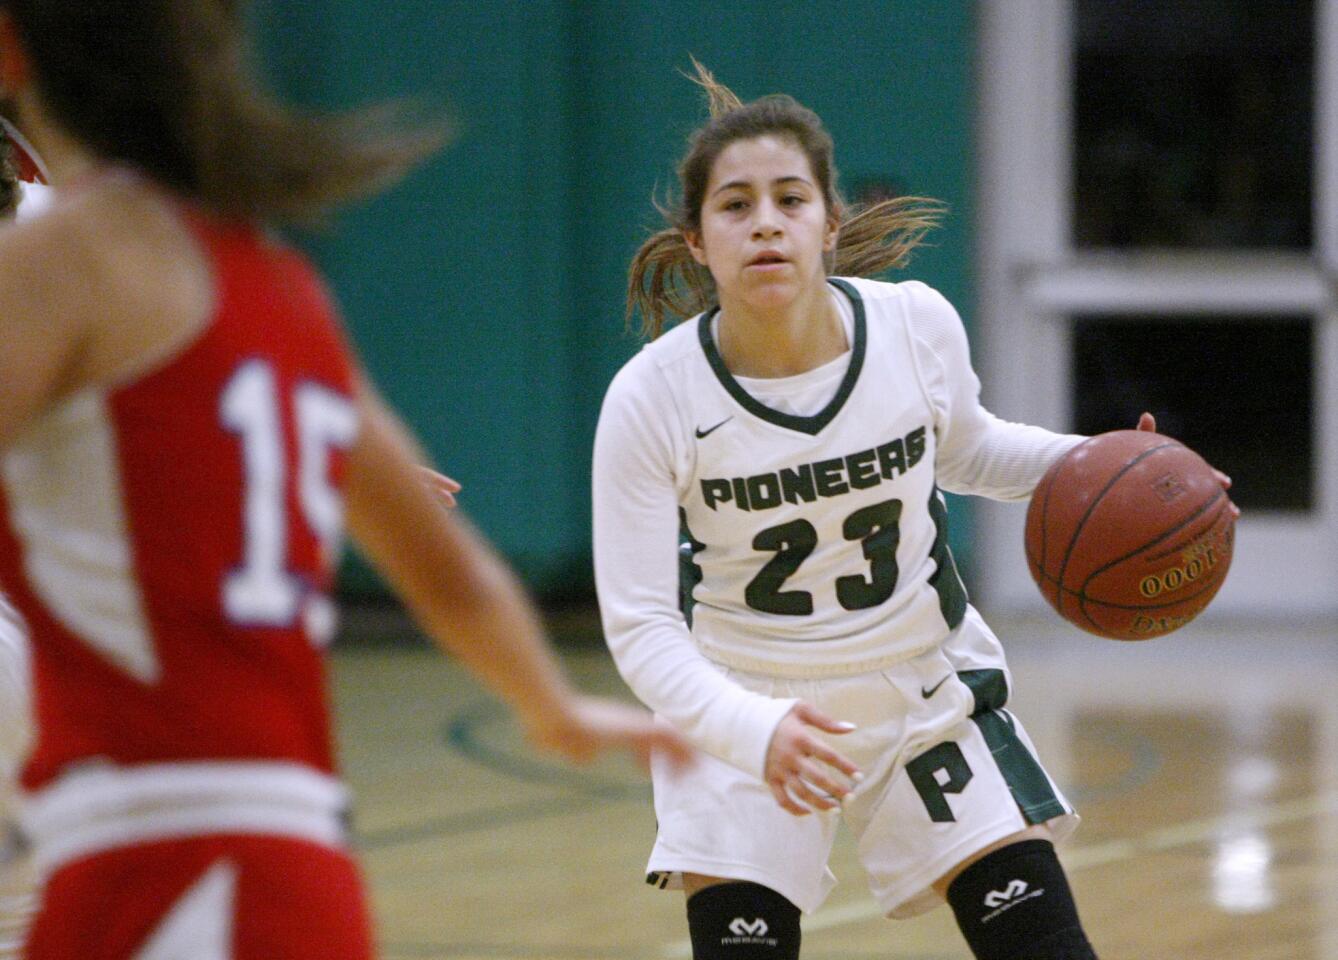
[
  {"x": 23, "y": 199},
  {"x": 816, "y": 641}
]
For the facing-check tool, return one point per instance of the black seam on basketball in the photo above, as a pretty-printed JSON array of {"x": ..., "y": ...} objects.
[
  {"x": 1083, "y": 599},
  {"x": 1033, "y": 563},
  {"x": 1077, "y": 530},
  {"x": 1045, "y": 501},
  {"x": 1203, "y": 508},
  {"x": 1053, "y": 475},
  {"x": 1046, "y": 578},
  {"x": 1216, "y": 516}
]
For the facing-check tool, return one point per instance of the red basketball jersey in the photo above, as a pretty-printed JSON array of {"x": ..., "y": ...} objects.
[{"x": 170, "y": 540}]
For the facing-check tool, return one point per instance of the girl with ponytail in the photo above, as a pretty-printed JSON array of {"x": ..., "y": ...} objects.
[{"x": 773, "y": 568}]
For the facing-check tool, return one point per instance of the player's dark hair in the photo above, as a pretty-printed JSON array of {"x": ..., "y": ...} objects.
[
  {"x": 664, "y": 280},
  {"x": 166, "y": 86},
  {"x": 9, "y": 178}
]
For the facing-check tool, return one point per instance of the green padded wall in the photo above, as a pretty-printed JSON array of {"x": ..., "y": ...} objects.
[{"x": 485, "y": 293}]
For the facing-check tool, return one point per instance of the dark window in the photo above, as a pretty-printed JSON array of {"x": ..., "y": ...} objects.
[
  {"x": 1236, "y": 389},
  {"x": 1193, "y": 123}
]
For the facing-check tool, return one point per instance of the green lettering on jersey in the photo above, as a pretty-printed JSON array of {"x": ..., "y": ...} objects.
[
  {"x": 878, "y": 527},
  {"x": 716, "y": 491},
  {"x": 915, "y": 446},
  {"x": 891, "y": 459},
  {"x": 828, "y": 476},
  {"x": 861, "y": 471},
  {"x": 764, "y": 491},
  {"x": 741, "y": 493},
  {"x": 825, "y": 478},
  {"x": 798, "y": 484},
  {"x": 793, "y": 542}
]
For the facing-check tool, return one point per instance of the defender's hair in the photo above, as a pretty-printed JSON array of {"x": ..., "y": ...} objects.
[
  {"x": 664, "y": 280},
  {"x": 166, "y": 86}
]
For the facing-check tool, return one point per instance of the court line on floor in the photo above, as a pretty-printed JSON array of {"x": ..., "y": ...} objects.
[
  {"x": 1102, "y": 854},
  {"x": 464, "y": 734}
]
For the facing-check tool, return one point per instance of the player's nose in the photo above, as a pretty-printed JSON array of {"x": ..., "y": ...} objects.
[{"x": 766, "y": 220}]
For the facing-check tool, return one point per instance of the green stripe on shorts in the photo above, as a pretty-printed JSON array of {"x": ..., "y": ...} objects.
[
  {"x": 988, "y": 687},
  {"x": 1026, "y": 780}
]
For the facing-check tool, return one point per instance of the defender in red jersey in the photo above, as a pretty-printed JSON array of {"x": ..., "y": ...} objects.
[{"x": 184, "y": 437}]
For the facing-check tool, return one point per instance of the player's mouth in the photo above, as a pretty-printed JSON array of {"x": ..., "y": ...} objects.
[{"x": 767, "y": 260}]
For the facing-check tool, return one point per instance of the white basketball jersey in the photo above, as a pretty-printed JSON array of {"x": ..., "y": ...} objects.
[
  {"x": 812, "y": 545},
  {"x": 826, "y": 529}
]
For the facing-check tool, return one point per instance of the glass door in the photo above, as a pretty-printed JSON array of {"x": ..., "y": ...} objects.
[{"x": 1158, "y": 231}]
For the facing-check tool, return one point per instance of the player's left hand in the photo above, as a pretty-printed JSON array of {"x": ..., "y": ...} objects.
[
  {"x": 802, "y": 771},
  {"x": 594, "y": 725},
  {"x": 1149, "y": 423},
  {"x": 443, "y": 486}
]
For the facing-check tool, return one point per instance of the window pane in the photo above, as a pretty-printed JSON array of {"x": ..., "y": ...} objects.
[
  {"x": 1239, "y": 391},
  {"x": 1193, "y": 123}
]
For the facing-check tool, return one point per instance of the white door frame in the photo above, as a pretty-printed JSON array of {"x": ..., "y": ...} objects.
[{"x": 1031, "y": 281}]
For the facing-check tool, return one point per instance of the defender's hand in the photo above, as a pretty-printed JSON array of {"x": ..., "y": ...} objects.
[
  {"x": 589, "y": 726},
  {"x": 443, "y": 486}
]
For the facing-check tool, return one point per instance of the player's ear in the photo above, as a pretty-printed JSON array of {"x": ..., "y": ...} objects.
[
  {"x": 693, "y": 239},
  {"x": 14, "y": 65}
]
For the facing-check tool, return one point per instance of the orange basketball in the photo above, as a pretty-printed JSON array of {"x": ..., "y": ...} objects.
[{"x": 1129, "y": 535}]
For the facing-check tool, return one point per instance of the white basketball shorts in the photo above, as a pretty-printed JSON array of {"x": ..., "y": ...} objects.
[{"x": 947, "y": 771}]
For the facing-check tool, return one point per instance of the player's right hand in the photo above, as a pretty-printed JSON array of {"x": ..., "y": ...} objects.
[{"x": 801, "y": 769}]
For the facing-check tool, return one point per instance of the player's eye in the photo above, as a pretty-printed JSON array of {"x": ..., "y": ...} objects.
[
  {"x": 792, "y": 200},
  {"x": 735, "y": 205}
]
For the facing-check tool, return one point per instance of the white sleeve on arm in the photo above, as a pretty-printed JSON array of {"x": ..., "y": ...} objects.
[
  {"x": 977, "y": 452},
  {"x": 636, "y": 526}
]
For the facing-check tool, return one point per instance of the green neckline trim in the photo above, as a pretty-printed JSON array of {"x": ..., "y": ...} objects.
[{"x": 809, "y": 425}]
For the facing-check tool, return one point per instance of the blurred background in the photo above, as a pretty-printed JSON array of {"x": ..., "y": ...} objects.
[
  {"x": 1144, "y": 199},
  {"x": 486, "y": 293},
  {"x": 1157, "y": 197},
  {"x": 1142, "y": 196}
]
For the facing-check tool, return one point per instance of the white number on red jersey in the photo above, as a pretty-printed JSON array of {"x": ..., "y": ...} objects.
[{"x": 261, "y": 591}]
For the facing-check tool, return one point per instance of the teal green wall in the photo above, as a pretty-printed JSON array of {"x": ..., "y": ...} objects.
[{"x": 485, "y": 293}]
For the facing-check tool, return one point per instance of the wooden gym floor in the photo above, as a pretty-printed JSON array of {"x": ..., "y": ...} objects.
[{"x": 1205, "y": 765}]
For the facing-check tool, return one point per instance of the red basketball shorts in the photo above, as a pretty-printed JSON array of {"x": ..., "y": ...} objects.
[{"x": 205, "y": 898}]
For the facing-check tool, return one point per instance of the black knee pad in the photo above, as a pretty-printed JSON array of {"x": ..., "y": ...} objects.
[
  {"x": 742, "y": 921},
  {"x": 1015, "y": 904}
]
